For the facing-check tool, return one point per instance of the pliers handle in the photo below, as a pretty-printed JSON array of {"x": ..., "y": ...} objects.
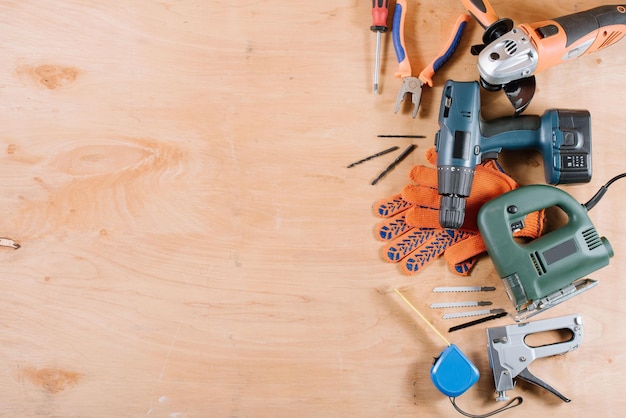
[
  {"x": 399, "y": 45},
  {"x": 413, "y": 85},
  {"x": 453, "y": 42}
]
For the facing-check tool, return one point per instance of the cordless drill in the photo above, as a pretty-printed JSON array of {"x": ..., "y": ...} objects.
[{"x": 464, "y": 140}]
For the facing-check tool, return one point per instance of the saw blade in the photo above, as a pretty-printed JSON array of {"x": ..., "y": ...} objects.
[
  {"x": 464, "y": 289},
  {"x": 460, "y": 304},
  {"x": 472, "y": 313}
]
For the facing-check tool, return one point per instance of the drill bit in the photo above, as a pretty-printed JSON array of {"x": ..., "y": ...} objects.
[
  {"x": 378, "y": 154},
  {"x": 394, "y": 163},
  {"x": 401, "y": 136}
]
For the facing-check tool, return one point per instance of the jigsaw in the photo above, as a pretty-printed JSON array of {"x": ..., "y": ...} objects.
[{"x": 544, "y": 272}]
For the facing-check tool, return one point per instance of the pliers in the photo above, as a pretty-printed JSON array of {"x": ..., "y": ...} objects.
[{"x": 413, "y": 85}]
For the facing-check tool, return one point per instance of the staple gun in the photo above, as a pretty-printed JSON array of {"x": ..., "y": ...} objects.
[{"x": 509, "y": 355}]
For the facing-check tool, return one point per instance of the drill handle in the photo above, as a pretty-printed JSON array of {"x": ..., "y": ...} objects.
[
  {"x": 508, "y": 133},
  {"x": 507, "y": 125}
]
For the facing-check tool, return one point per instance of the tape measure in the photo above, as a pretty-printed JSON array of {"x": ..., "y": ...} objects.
[{"x": 453, "y": 373}]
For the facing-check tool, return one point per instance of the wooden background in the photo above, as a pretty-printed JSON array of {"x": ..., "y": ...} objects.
[{"x": 193, "y": 244}]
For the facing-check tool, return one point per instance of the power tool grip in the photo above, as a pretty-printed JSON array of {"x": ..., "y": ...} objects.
[
  {"x": 506, "y": 125},
  {"x": 579, "y": 25},
  {"x": 529, "y": 199},
  {"x": 482, "y": 11}
]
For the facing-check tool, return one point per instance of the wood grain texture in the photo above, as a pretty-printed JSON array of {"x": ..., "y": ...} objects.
[{"x": 192, "y": 244}]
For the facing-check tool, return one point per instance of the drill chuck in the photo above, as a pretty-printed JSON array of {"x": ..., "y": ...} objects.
[
  {"x": 452, "y": 211},
  {"x": 454, "y": 185}
]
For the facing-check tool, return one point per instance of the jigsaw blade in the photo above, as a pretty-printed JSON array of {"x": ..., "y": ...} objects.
[
  {"x": 465, "y": 304},
  {"x": 446, "y": 289},
  {"x": 472, "y": 313}
]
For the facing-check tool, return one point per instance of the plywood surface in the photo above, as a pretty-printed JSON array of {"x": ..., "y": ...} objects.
[{"x": 193, "y": 245}]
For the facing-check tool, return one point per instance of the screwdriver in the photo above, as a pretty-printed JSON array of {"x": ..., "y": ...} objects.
[{"x": 380, "y": 10}]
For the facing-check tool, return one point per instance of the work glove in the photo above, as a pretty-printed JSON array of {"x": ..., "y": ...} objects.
[{"x": 411, "y": 226}]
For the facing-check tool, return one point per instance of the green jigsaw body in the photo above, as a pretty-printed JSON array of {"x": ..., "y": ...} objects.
[{"x": 540, "y": 270}]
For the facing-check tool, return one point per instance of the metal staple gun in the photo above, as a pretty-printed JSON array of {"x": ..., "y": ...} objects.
[{"x": 509, "y": 355}]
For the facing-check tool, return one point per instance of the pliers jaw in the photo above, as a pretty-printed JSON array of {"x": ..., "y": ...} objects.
[{"x": 412, "y": 86}]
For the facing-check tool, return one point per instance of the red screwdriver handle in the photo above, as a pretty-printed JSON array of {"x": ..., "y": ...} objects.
[{"x": 380, "y": 11}]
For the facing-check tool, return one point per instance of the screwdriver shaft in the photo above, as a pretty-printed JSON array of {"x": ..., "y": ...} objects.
[{"x": 377, "y": 66}]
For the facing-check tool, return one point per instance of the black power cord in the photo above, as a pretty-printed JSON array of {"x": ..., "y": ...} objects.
[
  {"x": 600, "y": 193},
  {"x": 509, "y": 405}
]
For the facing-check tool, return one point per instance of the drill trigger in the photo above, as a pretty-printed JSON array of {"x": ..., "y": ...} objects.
[{"x": 491, "y": 155}]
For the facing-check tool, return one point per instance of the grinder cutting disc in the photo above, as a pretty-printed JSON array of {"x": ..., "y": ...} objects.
[{"x": 520, "y": 93}]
